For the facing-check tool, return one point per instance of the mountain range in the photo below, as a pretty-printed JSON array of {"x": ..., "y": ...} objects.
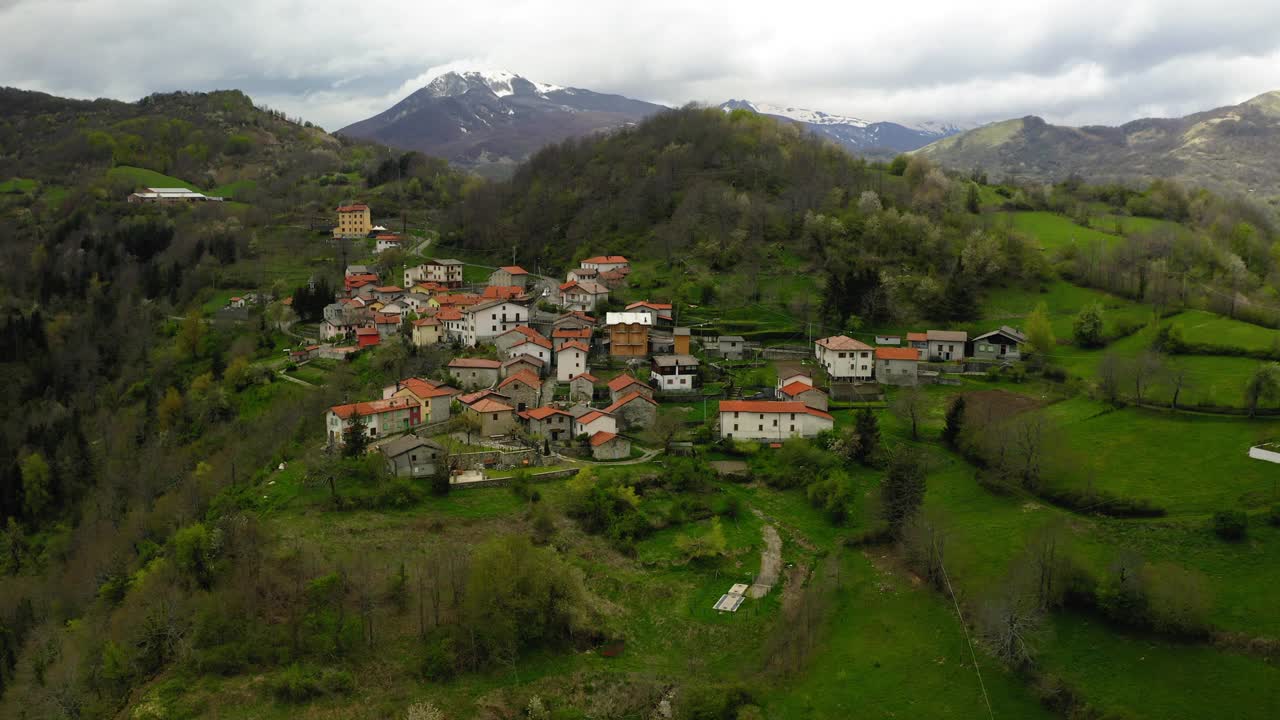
[
  {"x": 1232, "y": 148},
  {"x": 859, "y": 136},
  {"x": 489, "y": 121}
]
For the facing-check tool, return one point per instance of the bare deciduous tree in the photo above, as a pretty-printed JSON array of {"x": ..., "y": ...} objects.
[{"x": 910, "y": 405}]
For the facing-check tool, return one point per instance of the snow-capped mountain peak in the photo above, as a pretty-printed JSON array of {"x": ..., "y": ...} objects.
[
  {"x": 500, "y": 82},
  {"x": 813, "y": 117}
]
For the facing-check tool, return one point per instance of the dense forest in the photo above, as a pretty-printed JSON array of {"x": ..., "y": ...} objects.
[{"x": 732, "y": 193}]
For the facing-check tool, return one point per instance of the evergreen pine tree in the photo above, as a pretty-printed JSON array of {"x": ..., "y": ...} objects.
[
  {"x": 867, "y": 428},
  {"x": 954, "y": 421}
]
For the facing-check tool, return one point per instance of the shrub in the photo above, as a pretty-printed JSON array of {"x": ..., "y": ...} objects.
[
  {"x": 1230, "y": 524},
  {"x": 298, "y": 684}
]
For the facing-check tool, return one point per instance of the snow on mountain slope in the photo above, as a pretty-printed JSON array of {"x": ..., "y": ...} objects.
[{"x": 853, "y": 133}]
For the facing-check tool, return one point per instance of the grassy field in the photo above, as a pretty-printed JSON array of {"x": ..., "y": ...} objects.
[
  {"x": 1139, "y": 676},
  {"x": 1189, "y": 464},
  {"x": 1053, "y": 231},
  {"x": 1011, "y": 306},
  {"x": 1212, "y": 380},
  {"x": 17, "y": 186},
  {"x": 141, "y": 177},
  {"x": 1208, "y": 328}
]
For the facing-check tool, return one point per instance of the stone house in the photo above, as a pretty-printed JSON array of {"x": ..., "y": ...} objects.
[
  {"x": 474, "y": 372},
  {"x": 634, "y": 411},
  {"x": 510, "y": 276},
  {"x": 524, "y": 389},
  {"x": 805, "y": 393},
  {"x": 411, "y": 456},
  {"x": 582, "y": 388},
  {"x": 496, "y": 417},
  {"x": 609, "y": 446},
  {"x": 550, "y": 423}
]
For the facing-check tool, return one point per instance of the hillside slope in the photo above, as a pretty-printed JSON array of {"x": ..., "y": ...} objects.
[
  {"x": 1230, "y": 148},
  {"x": 490, "y": 121}
]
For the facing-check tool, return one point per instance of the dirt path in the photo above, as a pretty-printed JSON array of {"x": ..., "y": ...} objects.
[{"x": 770, "y": 563}]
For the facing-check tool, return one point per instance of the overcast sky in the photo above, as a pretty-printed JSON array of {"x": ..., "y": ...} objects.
[{"x": 1074, "y": 61}]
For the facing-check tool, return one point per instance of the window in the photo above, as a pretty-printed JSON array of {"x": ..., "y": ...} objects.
[
  {"x": 495, "y": 416},
  {"x": 793, "y": 428},
  {"x": 775, "y": 422},
  {"x": 760, "y": 428},
  {"x": 793, "y": 416},
  {"x": 735, "y": 427}
]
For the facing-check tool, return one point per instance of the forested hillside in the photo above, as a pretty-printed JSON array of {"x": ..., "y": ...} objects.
[{"x": 1082, "y": 525}]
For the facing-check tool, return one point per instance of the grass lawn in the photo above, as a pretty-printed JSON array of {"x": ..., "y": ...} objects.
[
  {"x": 1149, "y": 677},
  {"x": 1053, "y": 231},
  {"x": 220, "y": 298},
  {"x": 1011, "y": 306},
  {"x": 141, "y": 177},
  {"x": 1212, "y": 380},
  {"x": 1188, "y": 464},
  {"x": 883, "y": 630},
  {"x": 1208, "y": 328},
  {"x": 234, "y": 189},
  {"x": 17, "y": 186}
]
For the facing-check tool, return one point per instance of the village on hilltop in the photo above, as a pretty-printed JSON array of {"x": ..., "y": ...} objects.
[{"x": 538, "y": 368}]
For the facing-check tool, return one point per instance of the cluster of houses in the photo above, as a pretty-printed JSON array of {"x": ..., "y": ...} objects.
[
  {"x": 510, "y": 390},
  {"x": 895, "y": 360},
  {"x": 527, "y": 372}
]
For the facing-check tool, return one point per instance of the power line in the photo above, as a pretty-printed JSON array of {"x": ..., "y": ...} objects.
[{"x": 965, "y": 628}]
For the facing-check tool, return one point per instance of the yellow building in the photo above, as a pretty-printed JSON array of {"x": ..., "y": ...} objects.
[{"x": 353, "y": 221}]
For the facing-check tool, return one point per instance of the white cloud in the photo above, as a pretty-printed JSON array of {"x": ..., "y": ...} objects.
[{"x": 1080, "y": 61}]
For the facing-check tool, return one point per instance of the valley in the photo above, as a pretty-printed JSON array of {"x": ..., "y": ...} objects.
[{"x": 1058, "y": 518}]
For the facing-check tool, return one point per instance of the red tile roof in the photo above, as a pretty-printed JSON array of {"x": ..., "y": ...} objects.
[
  {"x": 796, "y": 388},
  {"x": 591, "y": 417},
  {"x": 634, "y": 396},
  {"x": 479, "y": 363},
  {"x": 650, "y": 305},
  {"x": 917, "y": 337},
  {"x": 841, "y": 342},
  {"x": 542, "y": 413},
  {"x": 607, "y": 259},
  {"x": 601, "y": 438},
  {"x": 514, "y": 269},
  {"x": 426, "y": 322},
  {"x": 374, "y": 407},
  {"x": 770, "y": 406},
  {"x": 388, "y": 289},
  {"x": 577, "y": 314},
  {"x": 472, "y": 398},
  {"x": 381, "y": 319},
  {"x": 449, "y": 313},
  {"x": 366, "y": 330},
  {"x": 490, "y": 405},
  {"x": 353, "y": 208},
  {"x": 539, "y": 341},
  {"x": 575, "y": 345},
  {"x": 502, "y": 292},
  {"x": 585, "y": 376},
  {"x": 623, "y": 381},
  {"x": 426, "y": 388},
  {"x": 568, "y": 332},
  {"x": 893, "y": 353},
  {"x": 523, "y": 376}
]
